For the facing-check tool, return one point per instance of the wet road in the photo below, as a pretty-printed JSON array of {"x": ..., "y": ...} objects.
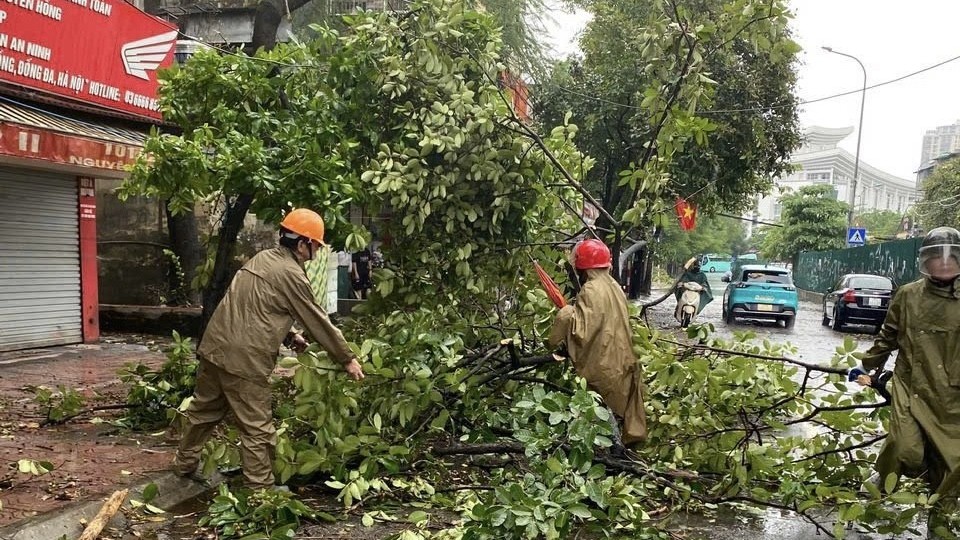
[{"x": 814, "y": 342}]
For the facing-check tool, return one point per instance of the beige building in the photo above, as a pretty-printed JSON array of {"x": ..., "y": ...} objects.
[{"x": 820, "y": 161}]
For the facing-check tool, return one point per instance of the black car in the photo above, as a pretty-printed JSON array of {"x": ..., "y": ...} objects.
[{"x": 857, "y": 299}]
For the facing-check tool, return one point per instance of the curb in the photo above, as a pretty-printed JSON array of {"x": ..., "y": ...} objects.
[{"x": 67, "y": 522}]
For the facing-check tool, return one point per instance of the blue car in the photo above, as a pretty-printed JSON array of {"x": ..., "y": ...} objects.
[{"x": 761, "y": 292}]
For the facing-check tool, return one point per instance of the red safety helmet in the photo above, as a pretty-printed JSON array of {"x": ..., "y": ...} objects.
[
  {"x": 591, "y": 253},
  {"x": 304, "y": 222}
]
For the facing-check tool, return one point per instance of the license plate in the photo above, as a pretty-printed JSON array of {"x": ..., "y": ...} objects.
[
  {"x": 764, "y": 307},
  {"x": 873, "y": 302}
]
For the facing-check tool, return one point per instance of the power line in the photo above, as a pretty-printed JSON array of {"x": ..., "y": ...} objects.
[{"x": 775, "y": 106}]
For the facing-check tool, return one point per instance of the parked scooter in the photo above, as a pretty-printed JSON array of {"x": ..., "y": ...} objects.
[{"x": 689, "y": 302}]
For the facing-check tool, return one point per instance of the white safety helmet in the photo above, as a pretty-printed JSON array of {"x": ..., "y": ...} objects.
[{"x": 940, "y": 254}]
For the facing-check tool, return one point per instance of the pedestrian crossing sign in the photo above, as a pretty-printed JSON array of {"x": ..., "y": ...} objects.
[{"x": 856, "y": 236}]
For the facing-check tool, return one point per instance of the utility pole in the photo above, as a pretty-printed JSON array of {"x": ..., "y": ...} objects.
[{"x": 856, "y": 159}]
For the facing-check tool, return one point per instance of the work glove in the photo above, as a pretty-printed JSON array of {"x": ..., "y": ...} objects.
[
  {"x": 857, "y": 372},
  {"x": 878, "y": 382}
]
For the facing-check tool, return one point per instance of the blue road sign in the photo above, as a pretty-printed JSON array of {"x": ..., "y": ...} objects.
[{"x": 856, "y": 236}]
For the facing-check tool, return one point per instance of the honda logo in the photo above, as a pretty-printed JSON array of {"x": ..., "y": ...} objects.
[{"x": 146, "y": 54}]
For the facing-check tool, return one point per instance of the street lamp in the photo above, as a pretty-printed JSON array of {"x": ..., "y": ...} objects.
[{"x": 856, "y": 158}]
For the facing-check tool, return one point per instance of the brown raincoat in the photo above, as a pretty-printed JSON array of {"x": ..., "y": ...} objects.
[
  {"x": 239, "y": 351},
  {"x": 265, "y": 297},
  {"x": 923, "y": 322},
  {"x": 599, "y": 337}
]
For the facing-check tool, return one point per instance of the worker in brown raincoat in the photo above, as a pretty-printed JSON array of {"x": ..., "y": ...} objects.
[
  {"x": 239, "y": 349},
  {"x": 598, "y": 336},
  {"x": 923, "y": 322}
]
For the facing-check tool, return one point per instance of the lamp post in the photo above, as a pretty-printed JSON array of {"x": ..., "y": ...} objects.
[{"x": 856, "y": 158}]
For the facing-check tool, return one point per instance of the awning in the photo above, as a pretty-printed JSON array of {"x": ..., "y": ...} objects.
[{"x": 87, "y": 147}]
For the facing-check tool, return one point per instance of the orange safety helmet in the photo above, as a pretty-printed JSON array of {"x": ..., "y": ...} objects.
[
  {"x": 591, "y": 253},
  {"x": 305, "y": 223}
]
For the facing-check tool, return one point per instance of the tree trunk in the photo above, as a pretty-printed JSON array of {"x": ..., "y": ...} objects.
[
  {"x": 185, "y": 244},
  {"x": 226, "y": 246},
  {"x": 265, "y": 24},
  {"x": 646, "y": 287},
  {"x": 636, "y": 273}
]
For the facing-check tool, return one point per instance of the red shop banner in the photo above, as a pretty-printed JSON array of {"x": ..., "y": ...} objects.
[{"x": 101, "y": 52}]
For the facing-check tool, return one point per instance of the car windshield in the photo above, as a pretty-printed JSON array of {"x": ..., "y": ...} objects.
[
  {"x": 766, "y": 276},
  {"x": 871, "y": 282}
]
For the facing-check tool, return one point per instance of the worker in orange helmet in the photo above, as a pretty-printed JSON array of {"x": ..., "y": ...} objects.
[
  {"x": 598, "y": 336},
  {"x": 239, "y": 349}
]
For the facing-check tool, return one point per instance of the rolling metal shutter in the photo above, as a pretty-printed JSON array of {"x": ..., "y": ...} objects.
[{"x": 39, "y": 260}]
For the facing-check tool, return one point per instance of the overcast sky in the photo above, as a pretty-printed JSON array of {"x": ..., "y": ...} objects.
[{"x": 892, "y": 38}]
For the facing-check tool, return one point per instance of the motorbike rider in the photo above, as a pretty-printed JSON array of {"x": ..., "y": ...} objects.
[
  {"x": 693, "y": 273},
  {"x": 923, "y": 323}
]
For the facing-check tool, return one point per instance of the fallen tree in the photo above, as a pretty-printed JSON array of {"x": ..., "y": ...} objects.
[{"x": 403, "y": 117}]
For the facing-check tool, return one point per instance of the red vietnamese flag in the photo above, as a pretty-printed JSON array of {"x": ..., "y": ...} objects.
[{"x": 687, "y": 214}]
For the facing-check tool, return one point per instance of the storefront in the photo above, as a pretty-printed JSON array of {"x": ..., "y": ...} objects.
[{"x": 74, "y": 107}]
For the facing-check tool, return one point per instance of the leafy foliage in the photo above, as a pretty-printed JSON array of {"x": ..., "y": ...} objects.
[
  {"x": 880, "y": 224},
  {"x": 60, "y": 404},
  {"x": 401, "y": 116},
  {"x": 155, "y": 396},
  {"x": 940, "y": 205},
  {"x": 813, "y": 220},
  {"x": 260, "y": 515},
  {"x": 680, "y": 98},
  {"x": 712, "y": 235}
]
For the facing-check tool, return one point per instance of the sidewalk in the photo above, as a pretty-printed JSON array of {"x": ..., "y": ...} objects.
[{"x": 91, "y": 459}]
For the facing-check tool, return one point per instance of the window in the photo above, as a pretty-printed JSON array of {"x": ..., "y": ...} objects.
[
  {"x": 871, "y": 282},
  {"x": 819, "y": 177},
  {"x": 766, "y": 276}
]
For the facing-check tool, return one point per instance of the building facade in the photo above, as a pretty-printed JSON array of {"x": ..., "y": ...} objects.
[
  {"x": 820, "y": 161},
  {"x": 74, "y": 108},
  {"x": 940, "y": 141}
]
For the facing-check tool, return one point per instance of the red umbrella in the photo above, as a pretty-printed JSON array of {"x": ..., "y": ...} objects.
[{"x": 553, "y": 291}]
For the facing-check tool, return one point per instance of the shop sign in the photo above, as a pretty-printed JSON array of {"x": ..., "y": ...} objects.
[
  {"x": 23, "y": 142},
  {"x": 101, "y": 52}
]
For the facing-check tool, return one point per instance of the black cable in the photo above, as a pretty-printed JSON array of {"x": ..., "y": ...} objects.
[{"x": 769, "y": 107}]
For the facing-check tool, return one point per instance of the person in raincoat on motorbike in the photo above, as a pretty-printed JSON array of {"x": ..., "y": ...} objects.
[
  {"x": 598, "y": 336},
  {"x": 693, "y": 274},
  {"x": 923, "y": 323}
]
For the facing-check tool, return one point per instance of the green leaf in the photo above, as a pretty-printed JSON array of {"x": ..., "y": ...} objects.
[
  {"x": 150, "y": 492},
  {"x": 904, "y": 497},
  {"x": 417, "y": 516},
  {"x": 580, "y": 511}
]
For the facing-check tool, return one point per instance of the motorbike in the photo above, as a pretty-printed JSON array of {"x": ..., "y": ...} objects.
[{"x": 689, "y": 302}]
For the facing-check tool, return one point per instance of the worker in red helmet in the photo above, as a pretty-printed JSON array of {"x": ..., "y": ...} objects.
[
  {"x": 598, "y": 336},
  {"x": 240, "y": 345}
]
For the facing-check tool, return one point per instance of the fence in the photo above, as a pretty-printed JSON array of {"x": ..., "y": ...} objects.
[{"x": 818, "y": 271}]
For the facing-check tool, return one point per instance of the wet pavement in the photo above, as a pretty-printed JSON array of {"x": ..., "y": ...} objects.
[{"x": 814, "y": 342}]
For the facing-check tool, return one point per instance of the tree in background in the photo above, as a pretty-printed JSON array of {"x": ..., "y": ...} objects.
[
  {"x": 813, "y": 220},
  {"x": 940, "y": 205},
  {"x": 714, "y": 234},
  {"x": 880, "y": 224},
  {"x": 709, "y": 111}
]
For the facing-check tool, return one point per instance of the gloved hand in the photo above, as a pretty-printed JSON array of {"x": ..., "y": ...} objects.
[
  {"x": 855, "y": 372},
  {"x": 860, "y": 375}
]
